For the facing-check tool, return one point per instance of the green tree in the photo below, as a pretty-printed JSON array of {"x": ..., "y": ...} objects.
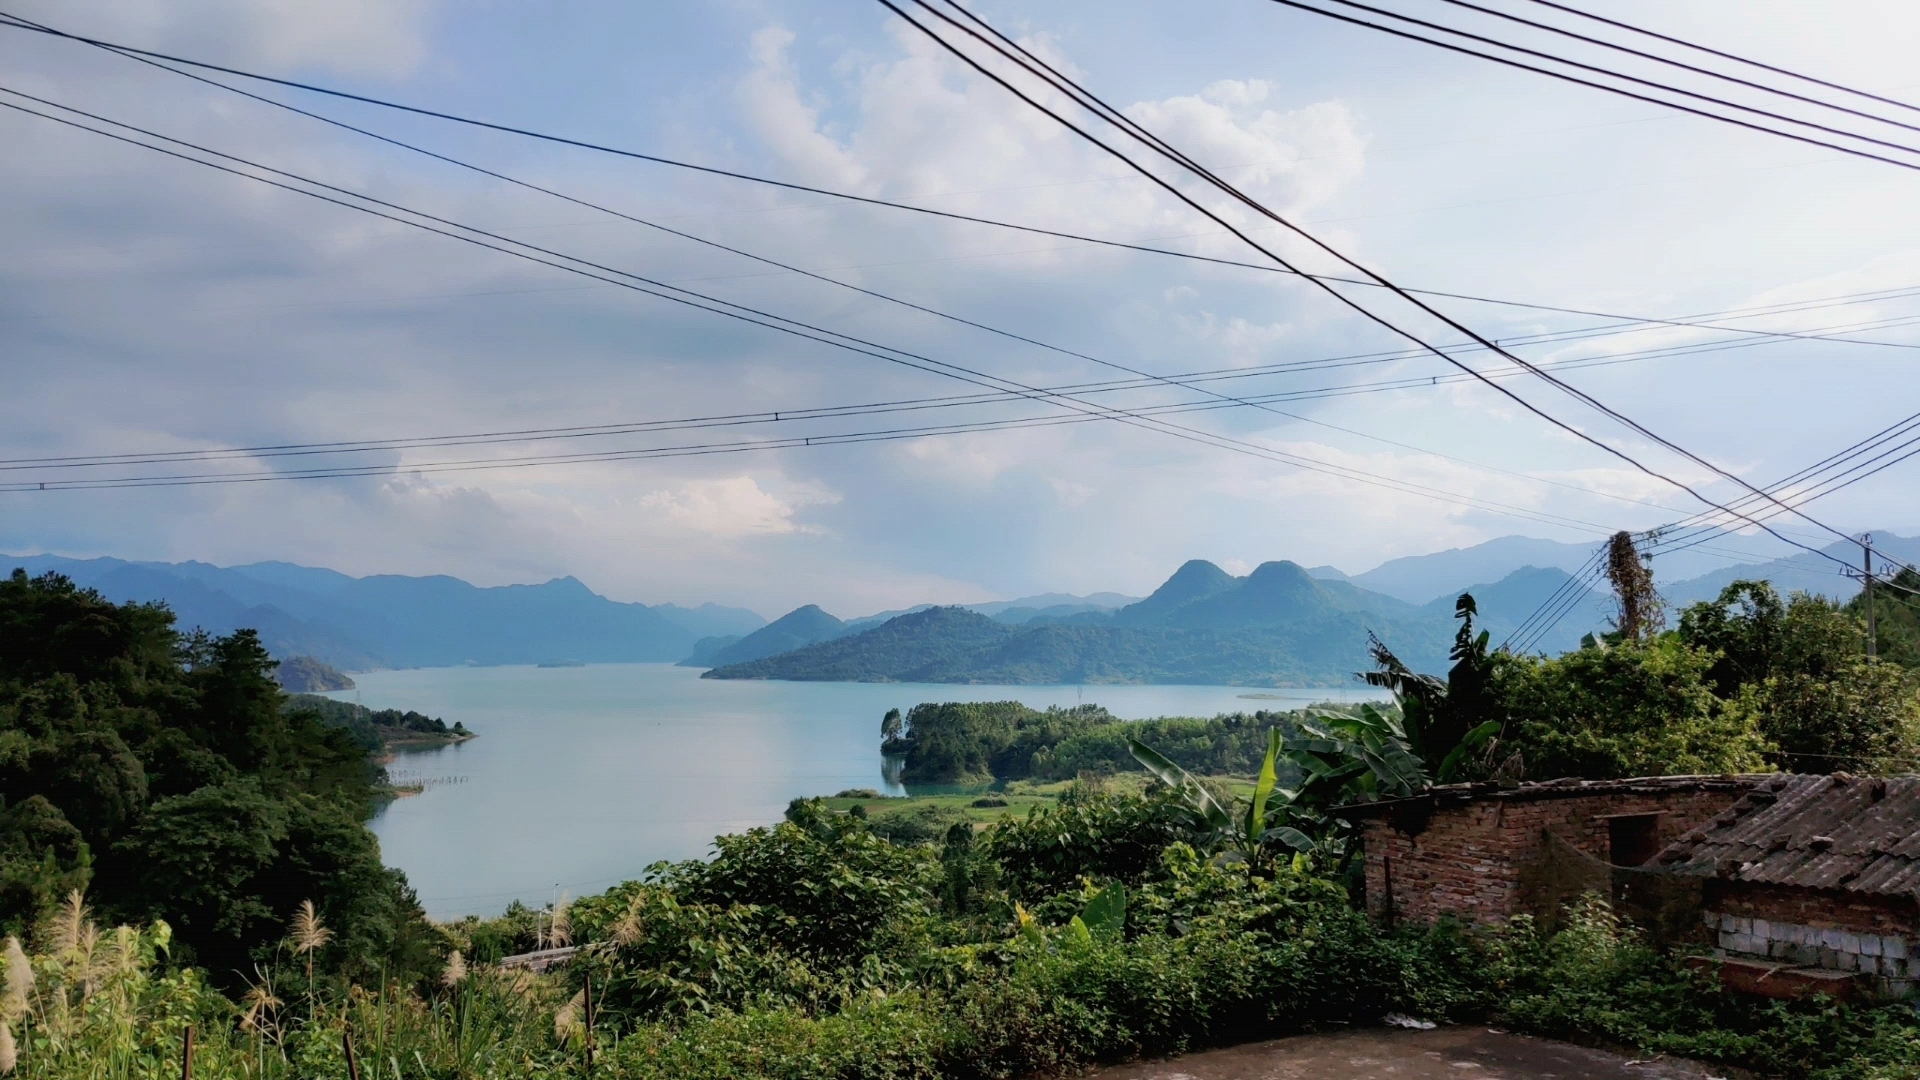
[
  {"x": 1627, "y": 710},
  {"x": 1864, "y": 717},
  {"x": 891, "y": 726},
  {"x": 165, "y": 771},
  {"x": 1798, "y": 669}
]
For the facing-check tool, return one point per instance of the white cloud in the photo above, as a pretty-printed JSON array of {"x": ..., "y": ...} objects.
[
  {"x": 726, "y": 508},
  {"x": 923, "y": 127},
  {"x": 355, "y": 37},
  {"x": 1292, "y": 160}
]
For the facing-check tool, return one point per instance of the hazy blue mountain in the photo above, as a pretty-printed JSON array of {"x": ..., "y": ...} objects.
[
  {"x": 1276, "y": 627},
  {"x": 1014, "y": 616},
  {"x": 1101, "y": 601},
  {"x": 1328, "y": 573},
  {"x": 799, "y": 627},
  {"x": 1418, "y": 579},
  {"x": 712, "y": 619},
  {"x": 1195, "y": 580},
  {"x": 933, "y": 645},
  {"x": 1802, "y": 572},
  {"x": 393, "y": 621},
  {"x": 1507, "y": 604},
  {"x": 704, "y": 650}
]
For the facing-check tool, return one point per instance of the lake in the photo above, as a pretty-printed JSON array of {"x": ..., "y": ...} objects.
[{"x": 582, "y": 776}]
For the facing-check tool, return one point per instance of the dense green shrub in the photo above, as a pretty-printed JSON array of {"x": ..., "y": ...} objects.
[
  {"x": 1626, "y": 709},
  {"x": 1106, "y": 837}
]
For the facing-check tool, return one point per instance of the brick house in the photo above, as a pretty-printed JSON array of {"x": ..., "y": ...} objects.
[
  {"x": 1482, "y": 853},
  {"x": 1811, "y": 883}
]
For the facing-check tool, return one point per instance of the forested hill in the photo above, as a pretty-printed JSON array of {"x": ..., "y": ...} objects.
[{"x": 1278, "y": 626}]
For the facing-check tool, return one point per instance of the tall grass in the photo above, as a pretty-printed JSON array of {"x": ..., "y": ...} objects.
[{"x": 88, "y": 1004}]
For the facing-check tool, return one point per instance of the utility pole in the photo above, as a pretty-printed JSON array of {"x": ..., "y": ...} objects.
[{"x": 1866, "y": 547}]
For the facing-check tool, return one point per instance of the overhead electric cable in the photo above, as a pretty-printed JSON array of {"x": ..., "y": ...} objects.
[
  {"x": 1623, "y": 76},
  {"x": 796, "y": 270},
  {"x": 1093, "y": 104},
  {"x": 1681, "y": 64},
  {"x": 18, "y": 23},
  {"x": 500, "y": 127},
  {"x": 1046, "y": 73},
  {"x": 1616, "y": 23},
  {"x": 1572, "y": 589},
  {"x": 1674, "y": 538},
  {"x": 1621, "y": 91},
  {"x": 757, "y": 317},
  {"x": 754, "y": 311}
]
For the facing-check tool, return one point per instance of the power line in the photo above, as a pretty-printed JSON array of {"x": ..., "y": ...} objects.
[
  {"x": 1376, "y": 279},
  {"x": 1207, "y": 438},
  {"x": 1725, "y": 55},
  {"x": 1210, "y": 438},
  {"x": 152, "y": 57},
  {"x": 776, "y": 263},
  {"x": 1636, "y": 80},
  {"x": 1092, "y": 103},
  {"x": 1086, "y": 99},
  {"x": 760, "y": 318},
  {"x": 1621, "y": 91},
  {"x": 1681, "y": 64},
  {"x": 1669, "y": 539},
  {"x": 522, "y": 435}
]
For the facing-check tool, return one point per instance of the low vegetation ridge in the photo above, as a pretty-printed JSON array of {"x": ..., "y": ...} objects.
[{"x": 381, "y": 730}]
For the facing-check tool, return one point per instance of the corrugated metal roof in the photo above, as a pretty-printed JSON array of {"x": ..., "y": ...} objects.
[
  {"x": 1859, "y": 834},
  {"x": 1451, "y": 795}
]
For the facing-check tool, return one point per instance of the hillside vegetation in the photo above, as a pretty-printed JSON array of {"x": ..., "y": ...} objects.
[{"x": 162, "y": 774}]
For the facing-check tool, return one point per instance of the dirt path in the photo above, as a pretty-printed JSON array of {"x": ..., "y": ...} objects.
[{"x": 1461, "y": 1053}]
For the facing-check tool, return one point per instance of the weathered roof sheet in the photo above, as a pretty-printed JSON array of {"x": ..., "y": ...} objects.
[
  {"x": 1570, "y": 788},
  {"x": 1858, "y": 834}
]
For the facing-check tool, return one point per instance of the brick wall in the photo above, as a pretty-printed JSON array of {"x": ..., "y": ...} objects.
[
  {"x": 1871, "y": 936},
  {"x": 1469, "y": 862},
  {"x": 1826, "y": 909}
]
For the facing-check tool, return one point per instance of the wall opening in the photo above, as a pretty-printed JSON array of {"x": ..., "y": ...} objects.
[{"x": 1633, "y": 839}]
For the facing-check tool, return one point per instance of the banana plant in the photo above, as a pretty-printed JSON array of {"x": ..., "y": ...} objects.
[
  {"x": 1438, "y": 716},
  {"x": 1275, "y": 813}
]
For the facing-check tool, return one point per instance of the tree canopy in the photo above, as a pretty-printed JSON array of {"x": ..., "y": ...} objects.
[{"x": 163, "y": 772}]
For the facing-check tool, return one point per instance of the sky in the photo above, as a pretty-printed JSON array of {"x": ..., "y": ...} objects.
[{"x": 153, "y": 305}]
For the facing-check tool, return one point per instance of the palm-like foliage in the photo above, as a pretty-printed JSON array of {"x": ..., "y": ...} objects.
[
  {"x": 1285, "y": 808},
  {"x": 1442, "y": 722}
]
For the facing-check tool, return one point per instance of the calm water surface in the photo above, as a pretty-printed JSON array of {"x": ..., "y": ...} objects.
[{"x": 582, "y": 776}]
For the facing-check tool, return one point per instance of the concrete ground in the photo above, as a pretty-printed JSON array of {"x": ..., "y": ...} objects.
[{"x": 1458, "y": 1053}]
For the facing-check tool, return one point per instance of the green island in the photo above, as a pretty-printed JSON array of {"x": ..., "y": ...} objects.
[
  {"x": 381, "y": 730},
  {"x": 181, "y": 851}
]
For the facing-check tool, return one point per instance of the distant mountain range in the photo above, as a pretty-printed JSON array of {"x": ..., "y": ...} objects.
[
  {"x": 809, "y": 625},
  {"x": 1279, "y": 625},
  {"x": 391, "y": 621}
]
